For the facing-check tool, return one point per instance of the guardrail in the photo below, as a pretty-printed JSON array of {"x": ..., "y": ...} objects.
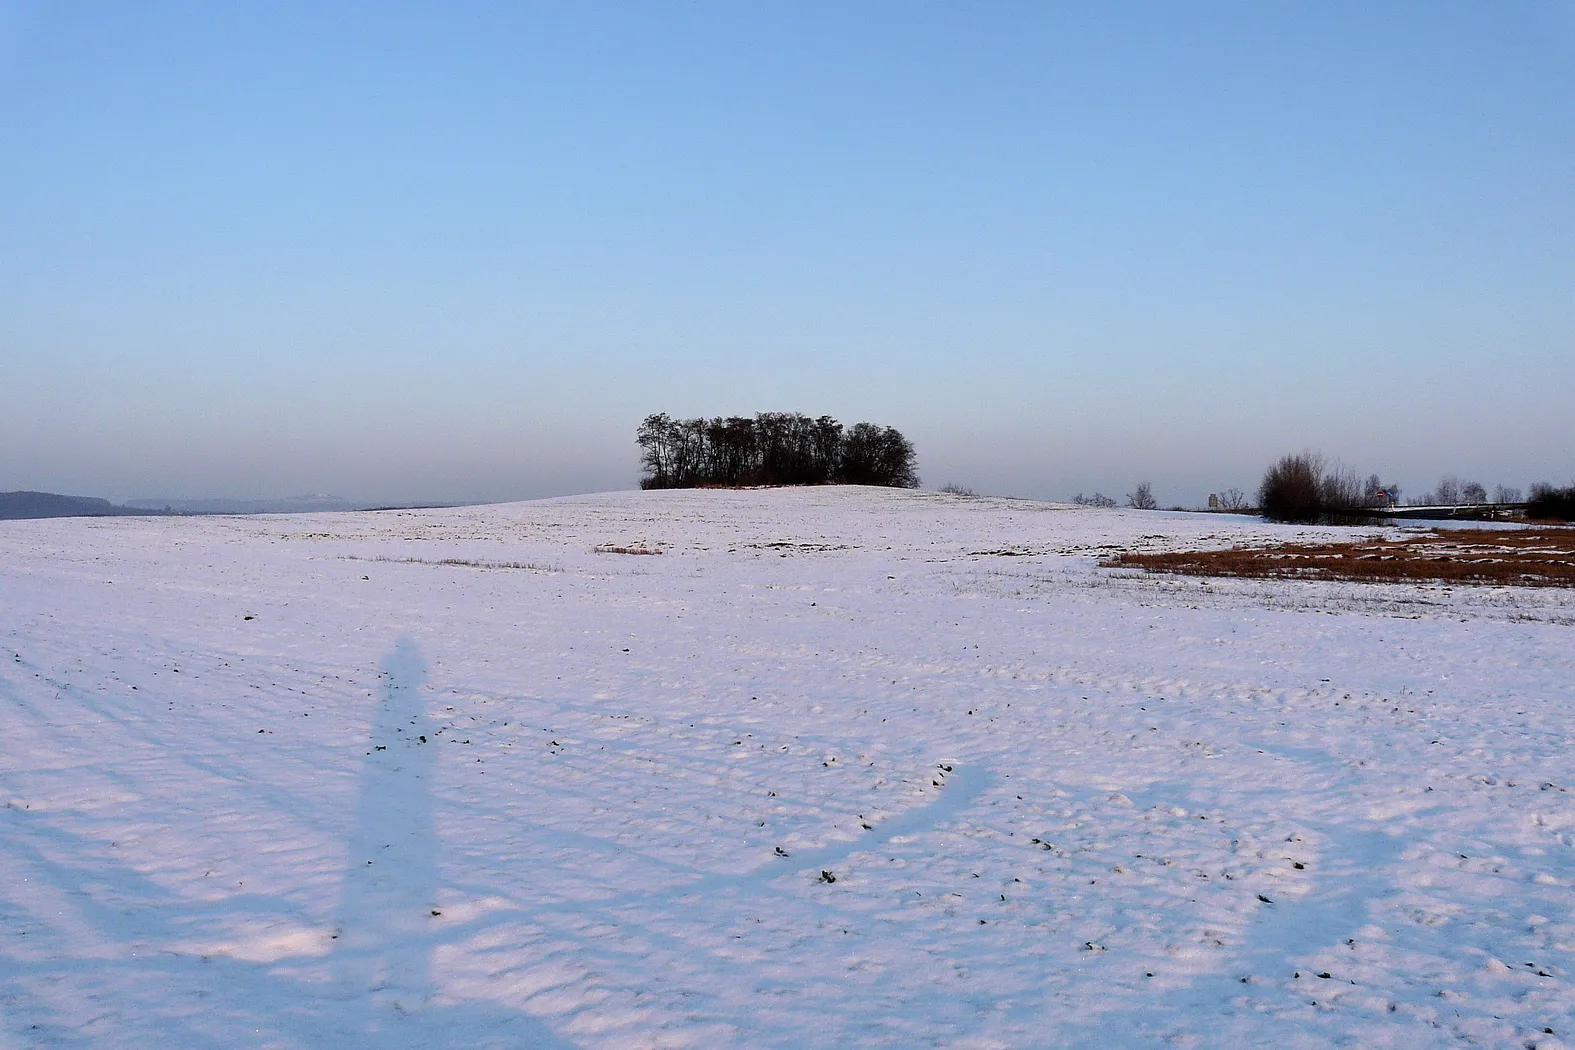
[{"x": 1469, "y": 511}]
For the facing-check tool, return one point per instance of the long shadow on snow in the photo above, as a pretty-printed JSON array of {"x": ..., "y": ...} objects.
[{"x": 382, "y": 959}]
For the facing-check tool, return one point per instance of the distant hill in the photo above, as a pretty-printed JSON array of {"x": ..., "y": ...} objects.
[
  {"x": 282, "y": 505},
  {"x": 14, "y": 505}
]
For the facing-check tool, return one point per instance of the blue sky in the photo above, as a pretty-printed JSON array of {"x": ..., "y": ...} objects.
[{"x": 459, "y": 251}]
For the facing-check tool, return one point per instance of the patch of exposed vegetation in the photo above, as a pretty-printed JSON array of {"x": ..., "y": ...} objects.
[
  {"x": 1518, "y": 558},
  {"x": 468, "y": 563}
]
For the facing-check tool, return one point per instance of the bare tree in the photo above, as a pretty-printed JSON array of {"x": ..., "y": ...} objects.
[
  {"x": 1142, "y": 497},
  {"x": 1341, "y": 492},
  {"x": 896, "y": 465},
  {"x": 1505, "y": 494},
  {"x": 1233, "y": 499},
  {"x": 1447, "y": 493},
  {"x": 654, "y": 439},
  {"x": 1472, "y": 492}
]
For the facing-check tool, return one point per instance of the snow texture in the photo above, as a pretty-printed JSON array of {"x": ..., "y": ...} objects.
[{"x": 835, "y": 767}]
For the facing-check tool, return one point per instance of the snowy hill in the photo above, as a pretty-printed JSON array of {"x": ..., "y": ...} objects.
[{"x": 829, "y": 767}]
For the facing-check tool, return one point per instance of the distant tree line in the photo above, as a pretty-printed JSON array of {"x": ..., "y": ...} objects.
[
  {"x": 771, "y": 448},
  {"x": 1551, "y": 504},
  {"x": 1302, "y": 487},
  {"x": 25, "y": 504},
  {"x": 1140, "y": 498}
]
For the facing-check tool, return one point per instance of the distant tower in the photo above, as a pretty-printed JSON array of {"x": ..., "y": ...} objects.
[{"x": 1214, "y": 501}]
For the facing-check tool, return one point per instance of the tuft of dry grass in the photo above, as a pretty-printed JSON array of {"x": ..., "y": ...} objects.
[
  {"x": 1518, "y": 558},
  {"x": 608, "y": 548}
]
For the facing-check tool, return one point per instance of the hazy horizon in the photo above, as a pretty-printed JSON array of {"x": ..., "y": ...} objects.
[{"x": 451, "y": 256}]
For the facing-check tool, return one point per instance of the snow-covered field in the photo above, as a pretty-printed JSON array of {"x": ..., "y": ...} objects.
[{"x": 304, "y": 782}]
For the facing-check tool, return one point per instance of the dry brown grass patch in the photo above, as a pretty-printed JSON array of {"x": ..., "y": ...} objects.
[{"x": 1519, "y": 558}]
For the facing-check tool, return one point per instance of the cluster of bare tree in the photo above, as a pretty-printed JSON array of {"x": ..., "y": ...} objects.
[
  {"x": 1452, "y": 492},
  {"x": 1303, "y": 488},
  {"x": 771, "y": 448},
  {"x": 1141, "y": 497},
  {"x": 1548, "y": 503}
]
